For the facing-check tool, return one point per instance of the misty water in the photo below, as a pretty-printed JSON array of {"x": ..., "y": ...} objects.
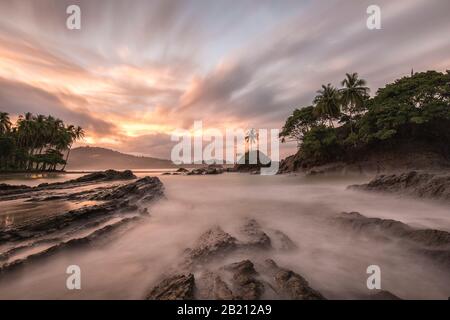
[{"x": 332, "y": 259}]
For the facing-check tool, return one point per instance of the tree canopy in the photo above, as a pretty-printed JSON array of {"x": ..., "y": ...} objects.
[
  {"x": 35, "y": 142},
  {"x": 413, "y": 107}
]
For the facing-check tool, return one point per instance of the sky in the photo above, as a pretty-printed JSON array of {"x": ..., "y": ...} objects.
[{"x": 138, "y": 70}]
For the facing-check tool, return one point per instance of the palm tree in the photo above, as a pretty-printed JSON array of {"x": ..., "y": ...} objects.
[
  {"x": 353, "y": 94},
  {"x": 328, "y": 103},
  {"x": 76, "y": 133},
  {"x": 36, "y": 142},
  {"x": 251, "y": 137},
  {"x": 5, "y": 123}
]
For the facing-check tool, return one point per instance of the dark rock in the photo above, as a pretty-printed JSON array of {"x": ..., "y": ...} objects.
[
  {"x": 215, "y": 242},
  {"x": 413, "y": 183},
  {"x": 433, "y": 243},
  {"x": 122, "y": 198},
  {"x": 211, "y": 169},
  {"x": 108, "y": 175},
  {"x": 182, "y": 170},
  {"x": 177, "y": 287},
  {"x": 292, "y": 284},
  {"x": 145, "y": 189},
  {"x": 211, "y": 286},
  {"x": 96, "y": 237},
  {"x": 427, "y": 237},
  {"x": 282, "y": 241},
  {"x": 11, "y": 193},
  {"x": 383, "y": 295},
  {"x": 252, "y": 161},
  {"x": 254, "y": 236},
  {"x": 8, "y": 187},
  {"x": 245, "y": 284}
]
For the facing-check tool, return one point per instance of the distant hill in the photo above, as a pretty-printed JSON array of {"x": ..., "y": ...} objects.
[{"x": 94, "y": 158}]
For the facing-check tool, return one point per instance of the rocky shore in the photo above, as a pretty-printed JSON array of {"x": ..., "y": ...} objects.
[
  {"x": 107, "y": 207},
  {"x": 413, "y": 183},
  {"x": 207, "y": 273},
  {"x": 243, "y": 263},
  {"x": 404, "y": 157},
  {"x": 433, "y": 244}
]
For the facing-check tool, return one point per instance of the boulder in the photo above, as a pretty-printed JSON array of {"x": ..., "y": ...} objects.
[
  {"x": 245, "y": 284},
  {"x": 211, "y": 286},
  {"x": 214, "y": 242},
  {"x": 291, "y": 284},
  {"x": 176, "y": 287},
  {"x": 254, "y": 236},
  {"x": 413, "y": 183}
]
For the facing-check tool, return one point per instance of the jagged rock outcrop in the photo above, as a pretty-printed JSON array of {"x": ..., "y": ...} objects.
[
  {"x": 108, "y": 207},
  {"x": 108, "y": 175},
  {"x": 246, "y": 286},
  {"x": 210, "y": 169},
  {"x": 433, "y": 243},
  {"x": 383, "y": 295},
  {"x": 253, "y": 236},
  {"x": 212, "y": 286},
  {"x": 214, "y": 277},
  {"x": 252, "y": 162},
  {"x": 9, "y": 192},
  {"x": 282, "y": 242},
  {"x": 212, "y": 243},
  {"x": 413, "y": 183},
  {"x": 177, "y": 287},
  {"x": 427, "y": 237},
  {"x": 291, "y": 284},
  {"x": 9, "y": 187}
]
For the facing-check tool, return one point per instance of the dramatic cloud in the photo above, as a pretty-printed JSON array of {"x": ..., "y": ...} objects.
[
  {"x": 139, "y": 69},
  {"x": 19, "y": 98}
]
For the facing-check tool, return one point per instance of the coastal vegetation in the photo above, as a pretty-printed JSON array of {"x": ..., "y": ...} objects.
[
  {"x": 343, "y": 123},
  {"x": 35, "y": 143}
]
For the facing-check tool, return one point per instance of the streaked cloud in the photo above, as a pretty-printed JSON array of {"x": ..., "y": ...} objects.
[{"x": 139, "y": 69}]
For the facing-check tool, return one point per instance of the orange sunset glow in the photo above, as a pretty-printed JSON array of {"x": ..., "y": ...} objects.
[{"x": 130, "y": 86}]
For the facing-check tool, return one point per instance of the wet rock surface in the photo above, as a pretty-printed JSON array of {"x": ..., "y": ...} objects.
[
  {"x": 217, "y": 276},
  {"x": 413, "y": 183},
  {"x": 254, "y": 236},
  {"x": 383, "y": 295},
  {"x": 107, "y": 175},
  {"x": 212, "y": 286},
  {"x": 11, "y": 192},
  {"x": 177, "y": 287},
  {"x": 211, "y": 169},
  {"x": 214, "y": 242},
  {"x": 290, "y": 284},
  {"x": 430, "y": 242},
  {"x": 108, "y": 208},
  {"x": 246, "y": 286}
]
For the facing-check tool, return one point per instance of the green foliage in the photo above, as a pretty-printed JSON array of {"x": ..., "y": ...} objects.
[
  {"x": 416, "y": 107},
  {"x": 354, "y": 94},
  {"x": 300, "y": 122},
  {"x": 328, "y": 103},
  {"x": 406, "y": 103},
  {"x": 35, "y": 142},
  {"x": 320, "y": 144}
]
